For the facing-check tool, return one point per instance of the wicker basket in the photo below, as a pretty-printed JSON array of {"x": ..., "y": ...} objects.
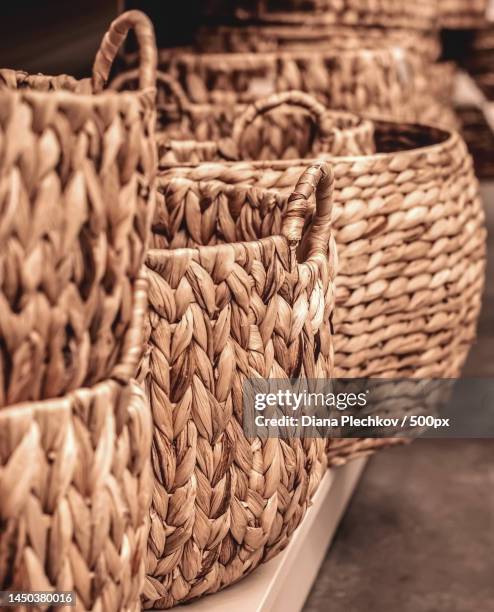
[
  {"x": 410, "y": 231},
  {"x": 220, "y": 315},
  {"x": 78, "y": 172},
  {"x": 270, "y": 38},
  {"x": 462, "y": 14},
  {"x": 75, "y": 490},
  {"x": 292, "y": 131},
  {"x": 421, "y": 14},
  {"x": 386, "y": 83}
]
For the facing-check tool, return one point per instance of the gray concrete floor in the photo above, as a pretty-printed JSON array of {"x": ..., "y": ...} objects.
[{"x": 418, "y": 535}]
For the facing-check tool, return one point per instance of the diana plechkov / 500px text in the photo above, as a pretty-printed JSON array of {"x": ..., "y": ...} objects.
[{"x": 351, "y": 421}]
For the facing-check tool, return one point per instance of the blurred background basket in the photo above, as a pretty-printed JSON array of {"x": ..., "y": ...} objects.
[
  {"x": 462, "y": 14},
  {"x": 422, "y": 14},
  {"x": 186, "y": 132},
  {"x": 78, "y": 171}
]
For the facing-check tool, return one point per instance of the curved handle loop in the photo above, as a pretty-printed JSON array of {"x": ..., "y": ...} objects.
[
  {"x": 318, "y": 178},
  {"x": 299, "y": 99},
  {"x": 113, "y": 40}
]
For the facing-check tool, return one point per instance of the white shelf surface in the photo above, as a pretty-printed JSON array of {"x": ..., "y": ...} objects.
[{"x": 282, "y": 585}]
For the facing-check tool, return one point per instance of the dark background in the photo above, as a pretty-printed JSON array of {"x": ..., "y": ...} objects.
[{"x": 62, "y": 36}]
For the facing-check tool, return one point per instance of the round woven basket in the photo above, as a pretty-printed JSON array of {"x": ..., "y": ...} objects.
[
  {"x": 75, "y": 490},
  {"x": 220, "y": 315},
  {"x": 300, "y": 125},
  {"x": 462, "y": 14},
  {"x": 421, "y": 14},
  {"x": 389, "y": 83},
  {"x": 410, "y": 231},
  {"x": 78, "y": 182},
  {"x": 294, "y": 37}
]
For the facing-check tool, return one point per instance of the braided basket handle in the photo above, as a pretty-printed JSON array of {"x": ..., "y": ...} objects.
[
  {"x": 113, "y": 40},
  {"x": 318, "y": 178},
  {"x": 298, "y": 99}
]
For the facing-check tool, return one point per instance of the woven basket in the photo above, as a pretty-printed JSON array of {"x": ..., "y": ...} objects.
[
  {"x": 75, "y": 490},
  {"x": 421, "y": 14},
  {"x": 269, "y": 38},
  {"x": 462, "y": 14},
  {"x": 386, "y": 83},
  {"x": 410, "y": 231},
  {"x": 78, "y": 183},
  {"x": 220, "y": 315},
  {"x": 292, "y": 131}
]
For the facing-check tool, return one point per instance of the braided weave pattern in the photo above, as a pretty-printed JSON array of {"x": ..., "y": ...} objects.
[
  {"x": 410, "y": 231},
  {"x": 389, "y": 83},
  {"x": 77, "y": 196},
  {"x": 75, "y": 489},
  {"x": 222, "y": 504}
]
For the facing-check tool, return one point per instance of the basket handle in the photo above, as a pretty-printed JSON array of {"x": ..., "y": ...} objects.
[
  {"x": 318, "y": 178},
  {"x": 299, "y": 99},
  {"x": 113, "y": 40}
]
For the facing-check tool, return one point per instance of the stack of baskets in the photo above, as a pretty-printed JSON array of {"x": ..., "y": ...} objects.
[
  {"x": 410, "y": 235},
  {"x": 351, "y": 56},
  {"x": 255, "y": 206},
  {"x": 78, "y": 170}
]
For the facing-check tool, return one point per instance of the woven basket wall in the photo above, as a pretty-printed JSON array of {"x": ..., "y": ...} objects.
[
  {"x": 291, "y": 132},
  {"x": 421, "y": 14},
  {"x": 410, "y": 231},
  {"x": 386, "y": 83},
  {"x": 462, "y": 14},
  {"x": 77, "y": 180},
  {"x": 75, "y": 490},
  {"x": 221, "y": 314},
  {"x": 269, "y": 38}
]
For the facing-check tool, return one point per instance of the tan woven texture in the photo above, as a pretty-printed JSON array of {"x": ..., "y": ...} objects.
[
  {"x": 220, "y": 315},
  {"x": 462, "y": 14},
  {"x": 421, "y": 14},
  {"x": 75, "y": 489},
  {"x": 267, "y": 38},
  {"x": 388, "y": 83},
  {"x": 77, "y": 191},
  {"x": 300, "y": 125},
  {"x": 410, "y": 231}
]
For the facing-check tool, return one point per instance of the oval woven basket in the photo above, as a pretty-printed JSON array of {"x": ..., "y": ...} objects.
[
  {"x": 267, "y": 38},
  {"x": 300, "y": 125},
  {"x": 75, "y": 490},
  {"x": 421, "y": 14},
  {"x": 389, "y": 83},
  {"x": 410, "y": 231},
  {"x": 77, "y": 180},
  {"x": 220, "y": 315}
]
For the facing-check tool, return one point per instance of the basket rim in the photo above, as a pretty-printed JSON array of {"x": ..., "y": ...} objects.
[
  {"x": 451, "y": 137},
  {"x": 156, "y": 256},
  {"x": 84, "y": 96}
]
